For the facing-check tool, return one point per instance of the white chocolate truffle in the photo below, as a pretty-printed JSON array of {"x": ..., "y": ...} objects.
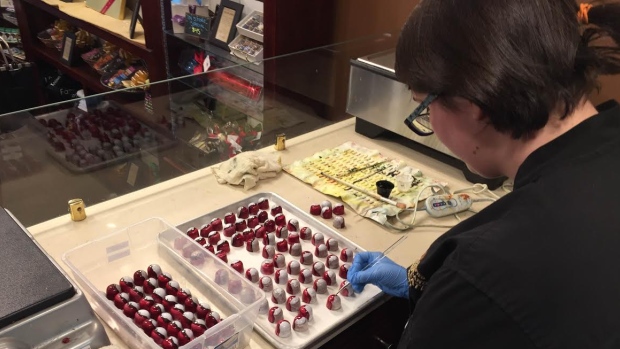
[
  {"x": 318, "y": 268},
  {"x": 332, "y": 244},
  {"x": 346, "y": 255},
  {"x": 280, "y": 277},
  {"x": 293, "y": 303},
  {"x": 306, "y": 311},
  {"x": 306, "y": 258},
  {"x": 320, "y": 251},
  {"x": 305, "y": 276},
  {"x": 252, "y": 274},
  {"x": 332, "y": 262},
  {"x": 318, "y": 239},
  {"x": 320, "y": 286},
  {"x": 305, "y": 233},
  {"x": 279, "y": 261},
  {"x": 308, "y": 295},
  {"x": 333, "y": 302},
  {"x": 346, "y": 289},
  {"x": 338, "y": 222},
  {"x": 278, "y": 296},
  {"x": 330, "y": 277},
  {"x": 300, "y": 324},
  {"x": 269, "y": 251},
  {"x": 266, "y": 284},
  {"x": 283, "y": 329},
  {"x": 269, "y": 239},
  {"x": 293, "y": 287},
  {"x": 247, "y": 295},
  {"x": 295, "y": 249},
  {"x": 326, "y": 203},
  {"x": 275, "y": 314},
  {"x": 252, "y": 245},
  {"x": 293, "y": 268}
]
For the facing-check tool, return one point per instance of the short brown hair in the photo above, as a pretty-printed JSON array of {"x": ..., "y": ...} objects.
[{"x": 518, "y": 60}]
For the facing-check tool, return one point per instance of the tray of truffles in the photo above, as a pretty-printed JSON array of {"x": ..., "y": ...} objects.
[
  {"x": 153, "y": 299},
  {"x": 294, "y": 256},
  {"x": 88, "y": 141}
]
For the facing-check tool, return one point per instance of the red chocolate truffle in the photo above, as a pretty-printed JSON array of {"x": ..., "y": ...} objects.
[
  {"x": 320, "y": 251},
  {"x": 318, "y": 268},
  {"x": 280, "y": 277},
  {"x": 230, "y": 218},
  {"x": 240, "y": 225},
  {"x": 111, "y": 291},
  {"x": 326, "y": 212},
  {"x": 252, "y": 275},
  {"x": 192, "y": 232},
  {"x": 306, "y": 258},
  {"x": 283, "y": 329},
  {"x": 305, "y": 276},
  {"x": 293, "y": 286},
  {"x": 332, "y": 262},
  {"x": 282, "y": 232},
  {"x": 329, "y": 277},
  {"x": 275, "y": 315},
  {"x": 253, "y": 208},
  {"x": 293, "y": 225},
  {"x": 238, "y": 240},
  {"x": 276, "y": 209},
  {"x": 282, "y": 245},
  {"x": 253, "y": 222},
  {"x": 278, "y": 296},
  {"x": 338, "y": 209},
  {"x": 279, "y": 260},
  {"x": 318, "y": 239},
  {"x": 243, "y": 212},
  {"x": 263, "y": 203},
  {"x": 293, "y": 268},
  {"x": 305, "y": 233},
  {"x": 266, "y": 284},
  {"x": 139, "y": 276},
  {"x": 229, "y": 230},
  {"x": 262, "y": 216},
  {"x": 308, "y": 295},
  {"x": 216, "y": 224},
  {"x": 346, "y": 255},
  {"x": 280, "y": 220},
  {"x": 315, "y": 210},
  {"x": 293, "y": 303},
  {"x": 213, "y": 237},
  {"x": 306, "y": 311},
  {"x": 238, "y": 266},
  {"x": 300, "y": 324},
  {"x": 333, "y": 302},
  {"x": 252, "y": 245},
  {"x": 269, "y": 251},
  {"x": 267, "y": 267}
]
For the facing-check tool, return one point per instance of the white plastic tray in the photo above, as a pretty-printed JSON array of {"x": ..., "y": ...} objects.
[
  {"x": 249, "y": 33},
  {"x": 104, "y": 261},
  {"x": 326, "y": 323}
]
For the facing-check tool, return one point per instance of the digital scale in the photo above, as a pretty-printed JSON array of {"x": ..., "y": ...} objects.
[{"x": 39, "y": 305}]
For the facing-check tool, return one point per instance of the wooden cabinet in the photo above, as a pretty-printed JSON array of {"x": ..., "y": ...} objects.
[{"x": 35, "y": 16}]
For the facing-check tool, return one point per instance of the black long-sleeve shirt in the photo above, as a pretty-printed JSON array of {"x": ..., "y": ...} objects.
[{"x": 539, "y": 268}]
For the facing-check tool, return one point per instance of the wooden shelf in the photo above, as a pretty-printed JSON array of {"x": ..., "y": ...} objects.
[
  {"x": 95, "y": 23},
  {"x": 83, "y": 74}
]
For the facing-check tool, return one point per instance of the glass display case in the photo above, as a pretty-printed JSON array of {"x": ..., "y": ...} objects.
[{"x": 110, "y": 144}]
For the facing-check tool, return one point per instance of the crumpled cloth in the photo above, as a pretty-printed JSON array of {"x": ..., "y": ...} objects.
[{"x": 248, "y": 168}]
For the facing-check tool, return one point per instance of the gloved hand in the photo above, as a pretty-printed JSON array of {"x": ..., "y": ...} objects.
[{"x": 390, "y": 277}]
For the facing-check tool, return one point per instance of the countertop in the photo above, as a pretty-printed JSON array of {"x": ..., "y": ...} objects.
[{"x": 183, "y": 198}]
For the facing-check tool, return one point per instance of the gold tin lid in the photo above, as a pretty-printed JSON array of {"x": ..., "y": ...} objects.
[
  {"x": 77, "y": 210},
  {"x": 280, "y": 141}
]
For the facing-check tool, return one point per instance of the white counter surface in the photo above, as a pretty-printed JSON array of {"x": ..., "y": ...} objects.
[{"x": 197, "y": 193}]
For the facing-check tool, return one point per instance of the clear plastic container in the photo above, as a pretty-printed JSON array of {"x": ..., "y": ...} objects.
[{"x": 104, "y": 261}]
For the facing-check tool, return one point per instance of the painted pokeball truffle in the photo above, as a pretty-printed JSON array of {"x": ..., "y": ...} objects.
[
  {"x": 326, "y": 212},
  {"x": 283, "y": 329},
  {"x": 275, "y": 315},
  {"x": 295, "y": 249},
  {"x": 338, "y": 209},
  {"x": 230, "y": 218},
  {"x": 347, "y": 289},
  {"x": 333, "y": 302},
  {"x": 293, "y": 303},
  {"x": 253, "y": 221},
  {"x": 198, "y": 327},
  {"x": 213, "y": 237},
  {"x": 139, "y": 276},
  {"x": 305, "y": 233},
  {"x": 293, "y": 268},
  {"x": 332, "y": 262},
  {"x": 253, "y": 208},
  {"x": 252, "y": 245},
  {"x": 279, "y": 260},
  {"x": 293, "y": 225},
  {"x": 282, "y": 245},
  {"x": 153, "y": 270},
  {"x": 262, "y": 216},
  {"x": 269, "y": 239},
  {"x": 326, "y": 203},
  {"x": 260, "y": 233},
  {"x": 269, "y": 251},
  {"x": 238, "y": 266},
  {"x": 263, "y": 203},
  {"x": 315, "y": 210},
  {"x": 280, "y": 277},
  {"x": 305, "y": 276},
  {"x": 266, "y": 284},
  {"x": 126, "y": 283},
  {"x": 112, "y": 290},
  {"x": 216, "y": 224},
  {"x": 308, "y": 295},
  {"x": 267, "y": 267},
  {"x": 282, "y": 233},
  {"x": 320, "y": 251},
  {"x": 270, "y": 225},
  {"x": 240, "y": 225},
  {"x": 318, "y": 239},
  {"x": 338, "y": 222},
  {"x": 192, "y": 232},
  {"x": 280, "y": 220},
  {"x": 212, "y": 319},
  {"x": 343, "y": 271},
  {"x": 243, "y": 212},
  {"x": 306, "y": 258},
  {"x": 306, "y": 311},
  {"x": 293, "y": 238},
  {"x": 300, "y": 324},
  {"x": 278, "y": 296},
  {"x": 276, "y": 210},
  {"x": 293, "y": 287},
  {"x": 120, "y": 300},
  {"x": 318, "y": 268},
  {"x": 320, "y": 286},
  {"x": 332, "y": 244},
  {"x": 346, "y": 255},
  {"x": 249, "y": 234},
  {"x": 229, "y": 230},
  {"x": 252, "y": 275},
  {"x": 238, "y": 240},
  {"x": 329, "y": 277}
]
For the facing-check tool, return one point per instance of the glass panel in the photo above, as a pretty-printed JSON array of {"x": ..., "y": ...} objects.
[{"x": 110, "y": 144}]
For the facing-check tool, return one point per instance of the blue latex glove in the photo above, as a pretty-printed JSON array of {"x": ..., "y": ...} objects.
[{"x": 390, "y": 277}]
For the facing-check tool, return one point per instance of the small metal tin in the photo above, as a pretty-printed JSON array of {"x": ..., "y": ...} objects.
[
  {"x": 77, "y": 210},
  {"x": 280, "y": 141}
]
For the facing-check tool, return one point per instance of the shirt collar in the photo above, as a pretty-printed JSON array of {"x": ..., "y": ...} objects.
[{"x": 579, "y": 140}]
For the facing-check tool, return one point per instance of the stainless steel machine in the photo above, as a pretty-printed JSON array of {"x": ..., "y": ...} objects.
[
  {"x": 39, "y": 305},
  {"x": 380, "y": 104}
]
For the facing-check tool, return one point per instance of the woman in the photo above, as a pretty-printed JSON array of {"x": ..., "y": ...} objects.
[{"x": 506, "y": 83}]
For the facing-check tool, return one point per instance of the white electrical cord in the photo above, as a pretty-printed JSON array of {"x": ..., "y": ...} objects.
[{"x": 477, "y": 189}]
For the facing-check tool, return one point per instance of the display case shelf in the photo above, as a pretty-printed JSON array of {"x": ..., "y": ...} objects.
[{"x": 217, "y": 51}]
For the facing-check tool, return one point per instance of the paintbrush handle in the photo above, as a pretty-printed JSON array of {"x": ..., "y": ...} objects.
[{"x": 369, "y": 193}]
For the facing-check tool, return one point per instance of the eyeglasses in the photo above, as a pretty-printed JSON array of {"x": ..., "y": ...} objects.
[{"x": 419, "y": 120}]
